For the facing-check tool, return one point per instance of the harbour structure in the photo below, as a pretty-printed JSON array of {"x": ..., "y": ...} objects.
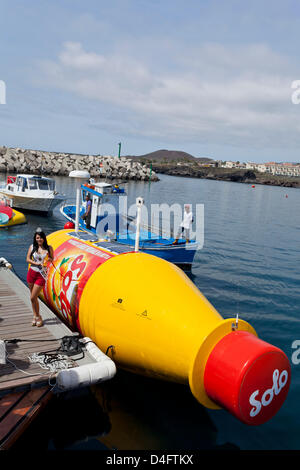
[{"x": 25, "y": 386}]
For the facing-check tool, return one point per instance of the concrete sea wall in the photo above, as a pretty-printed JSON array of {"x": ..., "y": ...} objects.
[{"x": 17, "y": 160}]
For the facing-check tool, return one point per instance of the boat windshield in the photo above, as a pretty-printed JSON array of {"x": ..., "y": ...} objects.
[
  {"x": 46, "y": 185},
  {"x": 32, "y": 184}
]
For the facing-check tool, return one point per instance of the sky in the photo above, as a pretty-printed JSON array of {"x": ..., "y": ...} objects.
[{"x": 211, "y": 78}]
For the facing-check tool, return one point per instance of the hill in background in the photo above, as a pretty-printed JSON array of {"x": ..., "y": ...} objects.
[{"x": 168, "y": 156}]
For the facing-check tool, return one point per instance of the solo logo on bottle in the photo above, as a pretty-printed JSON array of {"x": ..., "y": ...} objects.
[{"x": 279, "y": 381}]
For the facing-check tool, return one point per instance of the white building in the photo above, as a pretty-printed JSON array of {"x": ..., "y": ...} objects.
[
  {"x": 230, "y": 164},
  {"x": 261, "y": 167},
  {"x": 250, "y": 166},
  {"x": 284, "y": 169}
]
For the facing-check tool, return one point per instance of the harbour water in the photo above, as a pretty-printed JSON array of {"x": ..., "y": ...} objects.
[{"x": 249, "y": 265}]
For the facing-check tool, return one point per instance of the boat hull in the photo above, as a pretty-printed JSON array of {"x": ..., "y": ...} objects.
[
  {"x": 181, "y": 254},
  {"x": 32, "y": 204}
]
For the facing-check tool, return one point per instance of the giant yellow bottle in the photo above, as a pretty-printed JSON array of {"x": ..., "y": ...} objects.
[{"x": 157, "y": 323}]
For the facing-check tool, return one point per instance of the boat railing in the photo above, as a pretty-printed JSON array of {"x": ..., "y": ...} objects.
[
  {"x": 65, "y": 203},
  {"x": 159, "y": 231}
]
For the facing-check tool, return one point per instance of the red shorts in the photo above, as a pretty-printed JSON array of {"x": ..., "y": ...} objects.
[{"x": 34, "y": 277}]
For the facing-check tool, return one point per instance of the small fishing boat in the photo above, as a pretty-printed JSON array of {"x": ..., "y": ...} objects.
[
  {"x": 8, "y": 215},
  {"x": 120, "y": 229},
  {"x": 32, "y": 193},
  {"x": 153, "y": 242}
]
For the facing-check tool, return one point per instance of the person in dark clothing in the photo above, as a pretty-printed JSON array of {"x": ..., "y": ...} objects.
[{"x": 87, "y": 214}]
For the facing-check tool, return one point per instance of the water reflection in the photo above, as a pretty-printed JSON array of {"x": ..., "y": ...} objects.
[
  {"x": 128, "y": 413},
  {"x": 149, "y": 414}
]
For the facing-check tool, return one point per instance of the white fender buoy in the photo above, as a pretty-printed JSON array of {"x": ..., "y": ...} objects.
[{"x": 88, "y": 374}]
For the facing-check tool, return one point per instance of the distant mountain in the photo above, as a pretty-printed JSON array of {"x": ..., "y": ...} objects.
[{"x": 169, "y": 156}]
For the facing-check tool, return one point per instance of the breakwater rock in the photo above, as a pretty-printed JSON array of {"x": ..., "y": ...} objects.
[{"x": 17, "y": 160}]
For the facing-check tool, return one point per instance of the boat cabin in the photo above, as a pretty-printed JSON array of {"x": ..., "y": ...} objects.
[
  {"x": 104, "y": 197},
  {"x": 22, "y": 183}
]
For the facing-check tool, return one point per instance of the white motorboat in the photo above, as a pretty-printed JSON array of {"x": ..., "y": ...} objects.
[{"x": 32, "y": 193}]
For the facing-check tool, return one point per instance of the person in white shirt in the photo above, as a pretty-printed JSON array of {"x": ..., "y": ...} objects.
[{"x": 185, "y": 224}]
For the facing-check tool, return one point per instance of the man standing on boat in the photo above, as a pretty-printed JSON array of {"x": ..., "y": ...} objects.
[
  {"x": 185, "y": 224},
  {"x": 87, "y": 215}
]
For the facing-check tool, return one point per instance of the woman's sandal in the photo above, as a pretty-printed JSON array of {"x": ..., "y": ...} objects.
[
  {"x": 39, "y": 321},
  {"x": 33, "y": 321}
]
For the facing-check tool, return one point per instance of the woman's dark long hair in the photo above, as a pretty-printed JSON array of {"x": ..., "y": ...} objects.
[{"x": 35, "y": 245}]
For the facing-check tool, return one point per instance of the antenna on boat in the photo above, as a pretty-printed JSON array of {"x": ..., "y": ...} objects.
[
  {"x": 139, "y": 205},
  {"x": 79, "y": 175}
]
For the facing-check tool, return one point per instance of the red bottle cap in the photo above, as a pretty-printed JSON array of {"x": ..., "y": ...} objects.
[{"x": 247, "y": 376}]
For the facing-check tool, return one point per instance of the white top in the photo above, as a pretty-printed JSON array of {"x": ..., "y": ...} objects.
[
  {"x": 38, "y": 258},
  {"x": 187, "y": 220}
]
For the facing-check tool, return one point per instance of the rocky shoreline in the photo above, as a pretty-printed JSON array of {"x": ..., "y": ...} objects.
[
  {"x": 223, "y": 174},
  {"x": 18, "y": 160}
]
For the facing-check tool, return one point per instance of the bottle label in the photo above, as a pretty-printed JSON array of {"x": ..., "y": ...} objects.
[{"x": 74, "y": 263}]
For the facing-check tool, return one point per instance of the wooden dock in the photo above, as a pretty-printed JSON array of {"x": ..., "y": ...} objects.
[{"x": 25, "y": 387}]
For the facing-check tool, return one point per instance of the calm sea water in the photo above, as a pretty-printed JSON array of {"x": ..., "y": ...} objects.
[{"x": 249, "y": 265}]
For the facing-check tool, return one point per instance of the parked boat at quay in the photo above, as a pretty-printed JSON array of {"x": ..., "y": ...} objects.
[
  {"x": 151, "y": 240},
  {"x": 32, "y": 193}
]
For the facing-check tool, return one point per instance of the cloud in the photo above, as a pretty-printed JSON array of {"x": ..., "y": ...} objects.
[{"x": 235, "y": 95}]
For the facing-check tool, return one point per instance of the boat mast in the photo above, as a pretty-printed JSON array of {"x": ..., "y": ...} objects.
[{"x": 139, "y": 204}]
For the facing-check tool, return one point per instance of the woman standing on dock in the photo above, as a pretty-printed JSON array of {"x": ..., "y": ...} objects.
[{"x": 39, "y": 253}]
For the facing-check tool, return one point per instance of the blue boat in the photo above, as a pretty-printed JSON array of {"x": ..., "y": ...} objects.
[{"x": 109, "y": 223}]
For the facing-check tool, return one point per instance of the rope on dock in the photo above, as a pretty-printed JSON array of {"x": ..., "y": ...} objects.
[{"x": 52, "y": 362}]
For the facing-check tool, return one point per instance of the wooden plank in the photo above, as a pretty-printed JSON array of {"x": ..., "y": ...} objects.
[
  {"x": 21, "y": 415},
  {"x": 15, "y": 310},
  {"x": 21, "y": 382},
  {"x": 20, "y": 366},
  {"x": 8, "y": 402},
  {"x": 34, "y": 373},
  {"x": 24, "y": 382},
  {"x": 32, "y": 330},
  {"x": 9, "y": 305},
  {"x": 31, "y": 378},
  {"x": 16, "y": 307},
  {"x": 15, "y": 322},
  {"x": 17, "y": 315},
  {"x": 11, "y": 329}
]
